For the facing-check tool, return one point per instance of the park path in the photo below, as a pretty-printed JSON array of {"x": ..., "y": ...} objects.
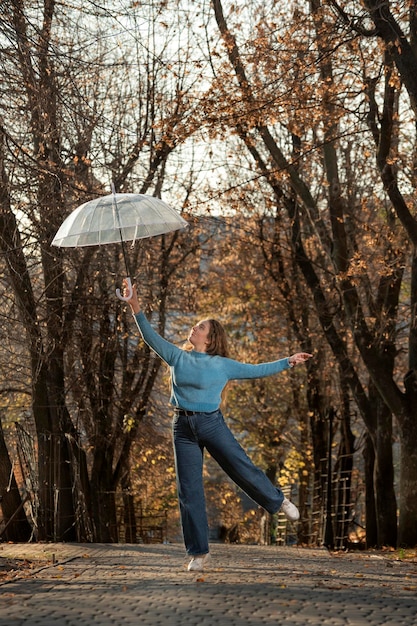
[{"x": 148, "y": 585}]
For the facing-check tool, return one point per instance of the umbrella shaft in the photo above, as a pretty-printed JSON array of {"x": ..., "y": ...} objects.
[
  {"x": 126, "y": 260},
  {"x": 119, "y": 226}
]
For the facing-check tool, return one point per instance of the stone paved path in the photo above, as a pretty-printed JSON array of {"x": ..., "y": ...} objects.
[{"x": 148, "y": 585}]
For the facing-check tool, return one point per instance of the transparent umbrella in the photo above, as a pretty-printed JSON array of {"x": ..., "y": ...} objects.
[{"x": 117, "y": 218}]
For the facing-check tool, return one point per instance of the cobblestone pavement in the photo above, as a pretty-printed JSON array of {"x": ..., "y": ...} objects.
[{"x": 123, "y": 585}]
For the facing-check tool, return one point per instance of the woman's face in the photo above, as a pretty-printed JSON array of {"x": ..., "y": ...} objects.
[{"x": 198, "y": 336}]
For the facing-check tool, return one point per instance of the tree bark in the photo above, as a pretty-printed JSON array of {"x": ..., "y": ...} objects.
[
  {"x": 371, "y": 527},
  {"x": 17, "y": 527}
]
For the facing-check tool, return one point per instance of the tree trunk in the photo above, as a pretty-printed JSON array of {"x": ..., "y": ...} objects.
[
  {"x": 303, "y": 480},
  {"x": 344, "y": 468},
  {"x": 17, "y": 527},
  {"x": 45, "y": 456},
  {"x": 407, "y": 533},
  {"x": 380, "y": 430},
  {"x": 370, "y": 505},
  {"x": 129, "y": 512},
  {"x": 103, "y": 494},
  {"x": 407, "y": 529},
  {"x": 104, "y": 515},
  {"x": 81, "y": 489},
  {"x": 385, "y": 500},
  {"x": 319, "y": 425}
]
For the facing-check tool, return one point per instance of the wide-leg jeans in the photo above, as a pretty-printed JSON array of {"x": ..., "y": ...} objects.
[{"x": 191, "y": 434}]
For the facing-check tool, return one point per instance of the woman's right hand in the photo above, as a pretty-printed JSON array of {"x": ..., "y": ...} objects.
[{"x": 133, "y": 301}]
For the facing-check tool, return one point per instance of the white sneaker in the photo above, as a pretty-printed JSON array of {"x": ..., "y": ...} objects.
[
  {"x": 197, "y": 563},
  {"x": 290, "y": 510}
]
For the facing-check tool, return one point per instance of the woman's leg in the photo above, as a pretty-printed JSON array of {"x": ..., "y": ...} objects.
[
  {"x": 189, "y": 472},
  {"x": 229, "y": 454}
]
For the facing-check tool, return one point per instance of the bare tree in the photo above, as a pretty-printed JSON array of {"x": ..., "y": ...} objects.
[
  {"x": 391, "y": 121},
  {"x": 76, "y": 116},
  {"x": 345, "y": 301}
]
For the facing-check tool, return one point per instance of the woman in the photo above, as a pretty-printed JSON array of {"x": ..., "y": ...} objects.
[{"x": 198, "y": 377}]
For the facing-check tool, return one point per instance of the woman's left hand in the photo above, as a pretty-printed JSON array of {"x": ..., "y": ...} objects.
[{"x": 299, "y": 357}]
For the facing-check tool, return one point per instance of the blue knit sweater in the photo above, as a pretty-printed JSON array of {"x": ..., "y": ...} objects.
[{"x": 197, "y": 378}]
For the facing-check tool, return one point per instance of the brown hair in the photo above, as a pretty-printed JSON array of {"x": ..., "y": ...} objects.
[{"x": 217, "y": 339}]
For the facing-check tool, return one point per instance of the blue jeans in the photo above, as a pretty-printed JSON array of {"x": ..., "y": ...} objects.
[{"x": 193, "y": 433}]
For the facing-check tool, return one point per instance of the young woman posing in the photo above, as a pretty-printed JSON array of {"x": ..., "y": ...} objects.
[{"x": 198, "y": 377}]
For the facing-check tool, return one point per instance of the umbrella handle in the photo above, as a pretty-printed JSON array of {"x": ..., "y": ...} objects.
[{"x": 129, "y": 291}]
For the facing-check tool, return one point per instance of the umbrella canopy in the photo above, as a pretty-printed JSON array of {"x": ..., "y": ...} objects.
[{"x": 116, "y": 218}]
